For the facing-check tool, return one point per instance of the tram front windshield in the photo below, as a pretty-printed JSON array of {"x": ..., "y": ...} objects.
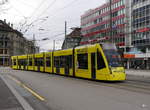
[{"x": 112, "y": 55}]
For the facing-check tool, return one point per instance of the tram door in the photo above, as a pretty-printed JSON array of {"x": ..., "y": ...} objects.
[
  {"x": 19, "y": 64},
  {"x": 57, "y": 70},
  {"x": 24, "y": 64},
  {"x": 24, "y": 67},
  {"x": 93, "y": 69},
  {"x": 67, "y": 70},
  {"x": 67, "y": 65},
  {"x": 38, "y": 68}
]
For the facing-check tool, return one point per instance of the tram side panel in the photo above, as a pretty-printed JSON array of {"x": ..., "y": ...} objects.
[
  {"x": 63, "y": 62},
  {"x": 30, "y": 62},
  {"x": 56, "y": 60},
  {"x": 113, "y": 62},
  {"x": 48, "y": 62},
  {"x": 82, "y": 63},
  {"x": 90, "y": 62},
  {"x": 102, "y": 68},
  {"x": 39, "y": 62},
  {"x": 22, "y": 62},
  {"x": 14, "y": 61}
]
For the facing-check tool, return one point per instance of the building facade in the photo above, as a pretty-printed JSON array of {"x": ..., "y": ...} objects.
[
  {"x": 140, "y": 35},
  {"x": 123, "y": 22},
  {"x": 73, "y": 39},
  {"x": 141, "y": 24},
  {"x": 12, "y": 43},
  {"x": 98, "y": 25}
]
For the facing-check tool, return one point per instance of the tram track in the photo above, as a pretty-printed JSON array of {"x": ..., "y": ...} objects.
[{"x": 135, "y": 86}]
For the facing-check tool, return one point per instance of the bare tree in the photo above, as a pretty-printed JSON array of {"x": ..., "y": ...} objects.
[{"x": 2, "y": 2}]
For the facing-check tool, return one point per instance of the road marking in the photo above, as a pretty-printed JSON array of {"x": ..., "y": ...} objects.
[
  {"x": 27, "y": 88},
  {"x": 22, "y": 101}
]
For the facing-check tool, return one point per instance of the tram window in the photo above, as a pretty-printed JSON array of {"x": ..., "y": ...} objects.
[
  {"x": 48, "y": 61},
  {"x": 30, "y": 61},
  {"x": 100, "y": 61},
  {"x": 70, "y": 61},
  {"x": 23, "y": 62},
  {"x": 62, "y": 61},
  {"x": 82, "y": 61},
  {"x": 56, "y": 61},
  {"x": 39, "y": 62},
  {"x": 35, "y": 62},
  {"x": 66, "y": 61},
  {"x": 19, "y": 62},
  {"x": 14, "y": 62}
]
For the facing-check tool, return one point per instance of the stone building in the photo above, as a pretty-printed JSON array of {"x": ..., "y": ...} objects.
[{"x": 12, "y": 43}]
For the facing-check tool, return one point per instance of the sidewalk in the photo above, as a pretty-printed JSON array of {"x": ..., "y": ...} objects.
[
  {"x": 10, "y": 99},
  {"x": 7, "y": 99},
  {"x": 143, "y": 73}
]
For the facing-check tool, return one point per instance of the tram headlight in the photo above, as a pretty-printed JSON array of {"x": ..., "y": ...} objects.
[{"x": 118, "y": 70}]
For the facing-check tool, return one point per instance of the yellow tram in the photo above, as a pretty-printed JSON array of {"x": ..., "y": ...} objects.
[{"x": 97, "y": 62}]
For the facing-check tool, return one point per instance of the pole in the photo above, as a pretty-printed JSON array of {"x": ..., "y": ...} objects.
[
  {"x": 111, "y": 36},
  {"x": 65, "y": 33},
  {"x": 34, "y": 43},
  {"x": 53, "y": 45},
  {"x": 65, "y": 29},
  {"x": 3, "y": 51}
]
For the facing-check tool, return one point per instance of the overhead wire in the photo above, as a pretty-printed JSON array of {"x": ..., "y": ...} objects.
[
  {"x": 57, "y": 11},
  {"x": 24, "y": 3},
  {"x": 36, "y": 9},
  {"x": 42, "y": 12},
  {"x": 33, "y": 13},
  {"x": 18, "y": 11},
  {"x": 60, "y": 9},
  {"x": 52, "y": 3}
]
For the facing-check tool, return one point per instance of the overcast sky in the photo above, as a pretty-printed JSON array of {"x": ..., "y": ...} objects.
[{"x": 45, "y": 18}]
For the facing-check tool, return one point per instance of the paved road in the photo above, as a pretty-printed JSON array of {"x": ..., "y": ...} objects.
[
  {"x": 140, "y": 73},
  {"x": 65, "y": 93}
]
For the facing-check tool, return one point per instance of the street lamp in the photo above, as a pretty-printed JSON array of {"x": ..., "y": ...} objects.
[{"x": 45, "y": 39}]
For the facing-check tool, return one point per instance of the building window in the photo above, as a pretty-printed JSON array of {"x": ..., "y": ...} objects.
[
  {"x": 5, "y": 51},
  {"x": 1, "y": 51}
]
